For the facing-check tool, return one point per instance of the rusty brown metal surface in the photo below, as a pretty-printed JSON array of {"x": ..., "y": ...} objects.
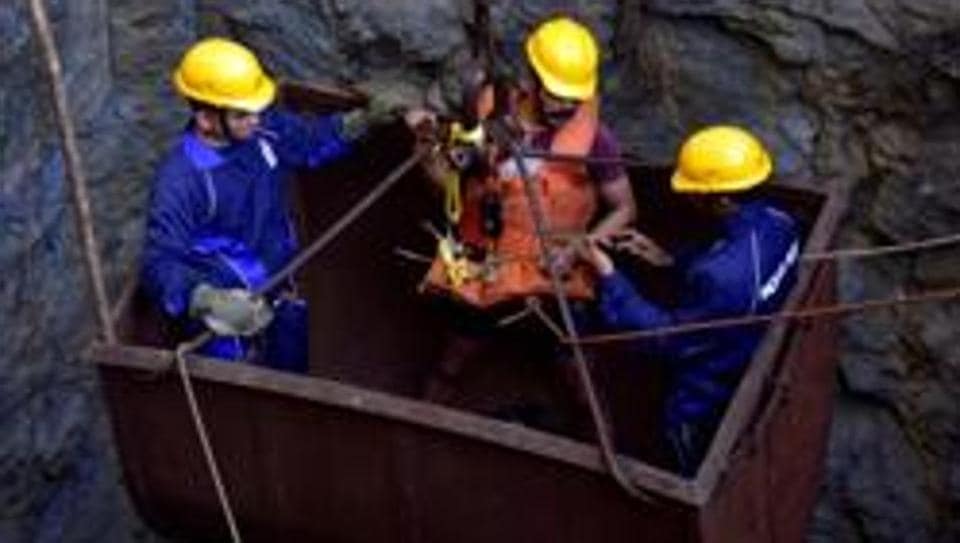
[
  {"x": 309, "y": 460},
  {"x": 827, "y": 209},
  {"x": 771, "y": 486},
  {"x": 298, "y": 451},
  {"x": 315, "y": 97},
  {"x": 796, "y": 435},
  {"x": 351, "y": 455}
]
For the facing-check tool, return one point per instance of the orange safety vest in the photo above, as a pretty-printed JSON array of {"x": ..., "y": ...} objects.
[{"x": 569, "y": 202}]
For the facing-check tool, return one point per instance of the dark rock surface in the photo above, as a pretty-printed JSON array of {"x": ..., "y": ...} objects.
[{"x": 861, "y": 92}]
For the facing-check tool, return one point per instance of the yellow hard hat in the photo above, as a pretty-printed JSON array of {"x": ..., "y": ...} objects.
[
  {"x": 721, "y": 159},
  {"x": 224, "y": 73},
  {"x": 564, "y": 55}
]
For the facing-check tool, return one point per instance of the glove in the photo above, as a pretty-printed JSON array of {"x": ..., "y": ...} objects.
[
  {"x": 382, "y": 109},
  {"x": 230, "y": 312}
]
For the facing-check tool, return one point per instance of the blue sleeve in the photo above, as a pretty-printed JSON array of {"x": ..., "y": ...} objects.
[
  {"x": 306, "y": 141},
  {"x": 177, "y": 205},
  {"x": 623, "y": 308}
]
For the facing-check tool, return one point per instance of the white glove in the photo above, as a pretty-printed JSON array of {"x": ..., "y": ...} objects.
[{"x": 230, "y": 312}]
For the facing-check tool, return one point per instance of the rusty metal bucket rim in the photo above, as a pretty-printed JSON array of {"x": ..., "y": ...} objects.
[{"x": 513, "y": 436}]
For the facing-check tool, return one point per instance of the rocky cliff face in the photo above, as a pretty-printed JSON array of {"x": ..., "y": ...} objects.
[
  {"x": 862, "y": 92},
  {"x": 58, "y": 476}
]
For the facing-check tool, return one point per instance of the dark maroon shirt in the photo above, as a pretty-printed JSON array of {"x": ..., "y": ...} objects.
[{"x": 605, "y": 145}]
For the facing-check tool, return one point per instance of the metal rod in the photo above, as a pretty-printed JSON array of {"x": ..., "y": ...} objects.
[
  {"x": 838, "y": 309},
  {"x": 885, "y": 250},
  {"x": 330, "y": 234},
  {"x": 583, "y": 371},
  {"x": 581, "y": 159},
  {"x": 344, "y": 222},
  {"x": 74, "y": 169}
]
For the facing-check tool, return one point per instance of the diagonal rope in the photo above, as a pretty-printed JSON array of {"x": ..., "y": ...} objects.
[
  {"x": 884, "y": 250},
  {"x": 74, "y": 169},
  {"x": 278, "y": 278},
  {"x": 329, "y": 235},
  {"x": 203, "y": 436},
  {"x": 345, "y": 221},
  {"x": 938, "y": 295}
]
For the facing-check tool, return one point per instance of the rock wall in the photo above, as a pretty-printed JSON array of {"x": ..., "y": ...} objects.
[
  {"x": 860, "y": 92},
  {"x": 58, "y": 475}
]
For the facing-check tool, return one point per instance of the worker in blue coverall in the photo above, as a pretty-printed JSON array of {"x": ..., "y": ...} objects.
[
  {"x": 219, "y": 223},
  {"x": 746, "y": 267}
]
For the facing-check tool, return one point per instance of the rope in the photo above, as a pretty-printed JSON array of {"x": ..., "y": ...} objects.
[
  {"x": 327, "y": 236},
  {"x": 412, "y": 256},
  {"x": 74, "y": 169},
  {"x": 886, "y": 250},
  {"x": 537, "y": 308},
  {"x": 589, "y": 160},
  {"x": 825, "y": 311},
  {"x": 534, "y": 307},
  {"x": 203, "y": 435},
  {"x": 542, "y": 229},
  {"x": 345, "y": 221}
]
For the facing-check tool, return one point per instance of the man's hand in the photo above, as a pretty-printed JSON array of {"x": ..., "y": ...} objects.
[
  {"x": 591, "y": 252},
  {"x": 420, "y": 119},
  {"x": 633, "y": 242},
  {"x": 563, "y": 257},
  {"x": 382, "y": 109},
  {"x": 230, "y": 312}
]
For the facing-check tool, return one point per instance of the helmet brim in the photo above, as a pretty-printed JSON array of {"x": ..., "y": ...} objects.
[
  {"x": 260, "y": 100},
  {"x": 683, "y": 184}
]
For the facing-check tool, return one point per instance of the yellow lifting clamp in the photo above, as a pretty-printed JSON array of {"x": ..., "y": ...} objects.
[
  {"x": 455, "y": 263},
  {"x": 452, "y": 201},
  {"x": 461, "y": 136}
]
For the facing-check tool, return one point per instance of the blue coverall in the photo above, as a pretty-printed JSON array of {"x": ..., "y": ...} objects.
[
  {"x": 220, "y": 216},
  {"x": 749, "y": 270}
]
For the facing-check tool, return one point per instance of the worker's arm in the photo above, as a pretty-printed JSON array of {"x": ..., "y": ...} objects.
[
  {"x": 423, "y": 123},
  {"x": 624, "y": 308},
  {"x": 177, "y": 206},
  {"x": 613, "y": 180},
  {"x": 617, "y": 195},
  {"x": 437, "y": 169},
  {"x": 305, "y": 141}
]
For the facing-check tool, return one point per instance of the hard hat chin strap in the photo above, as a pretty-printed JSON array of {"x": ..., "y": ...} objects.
[{"x": 225, "y": 129}]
